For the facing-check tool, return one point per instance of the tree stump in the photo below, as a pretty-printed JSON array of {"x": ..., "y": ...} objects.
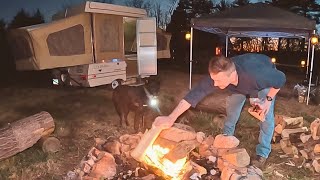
[{"x": 24, "y": 133}]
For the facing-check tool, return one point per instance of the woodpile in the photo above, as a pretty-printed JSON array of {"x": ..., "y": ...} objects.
[
  {"x": 300, "y": 143},
  {"x": 207, "y": 157}
]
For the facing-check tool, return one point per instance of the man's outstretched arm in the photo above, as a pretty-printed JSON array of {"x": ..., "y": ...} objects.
[{"x": 167, "y": 121}]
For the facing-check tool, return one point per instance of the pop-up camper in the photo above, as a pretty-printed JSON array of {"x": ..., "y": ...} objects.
[{"x": 92, "y": 44}]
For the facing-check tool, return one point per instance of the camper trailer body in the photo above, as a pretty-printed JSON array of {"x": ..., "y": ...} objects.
[{"x": 85, "y": 45}]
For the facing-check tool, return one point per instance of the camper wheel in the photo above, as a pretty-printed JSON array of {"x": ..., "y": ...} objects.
[{"x": 115, "y": 83}]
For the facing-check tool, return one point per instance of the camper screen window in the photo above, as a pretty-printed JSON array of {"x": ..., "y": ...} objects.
[{"x": 67, "y": 42}]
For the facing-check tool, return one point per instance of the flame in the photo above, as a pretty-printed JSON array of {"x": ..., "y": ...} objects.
[{"x": 154, "y": 157}]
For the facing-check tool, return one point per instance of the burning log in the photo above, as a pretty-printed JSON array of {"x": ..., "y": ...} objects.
[
  {"x": 24, "y": 133},
  {"x": 181, "y": 150},
  {"x": 146, "y": 141}
]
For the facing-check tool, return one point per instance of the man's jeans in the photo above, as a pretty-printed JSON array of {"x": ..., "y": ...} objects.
[{"x": 235, "y": 104}]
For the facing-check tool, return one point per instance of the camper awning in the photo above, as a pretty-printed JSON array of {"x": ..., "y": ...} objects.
[{"x": 255, "y": 20}]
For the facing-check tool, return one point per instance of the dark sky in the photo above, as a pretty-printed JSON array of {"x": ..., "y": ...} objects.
[{"x": 47, "y": 7}]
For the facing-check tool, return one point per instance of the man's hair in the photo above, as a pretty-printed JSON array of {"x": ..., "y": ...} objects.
[{"x": 221, "y": 64}]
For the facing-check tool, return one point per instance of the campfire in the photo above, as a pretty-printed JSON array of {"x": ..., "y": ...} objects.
[
  {"x": 175, "y": 153},
  {"x": 169, "y": 156}
]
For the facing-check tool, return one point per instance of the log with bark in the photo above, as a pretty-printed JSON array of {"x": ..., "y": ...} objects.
[{"x": 24, "y": 133}]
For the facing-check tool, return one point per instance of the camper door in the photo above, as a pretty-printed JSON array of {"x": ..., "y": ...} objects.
[{"x": 146, "y": 46}]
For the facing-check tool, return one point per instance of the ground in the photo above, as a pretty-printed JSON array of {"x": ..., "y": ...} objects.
[{"x": 81, "y": 114}]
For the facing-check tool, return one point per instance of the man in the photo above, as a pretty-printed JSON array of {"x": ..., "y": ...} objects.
[{"x": 249, "y": 75}]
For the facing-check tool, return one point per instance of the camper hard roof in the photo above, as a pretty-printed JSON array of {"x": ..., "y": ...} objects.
[{"x": 102, "y": 8}]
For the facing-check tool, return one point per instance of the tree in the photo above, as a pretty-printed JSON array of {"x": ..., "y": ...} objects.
[
  {"x": 21, "y": 19},
  {"x": 306, "y": 8},
  {"x": 223, "y": 5},
  {"x": 180, "y": 23},
  {"x": 37, "y": 18}
]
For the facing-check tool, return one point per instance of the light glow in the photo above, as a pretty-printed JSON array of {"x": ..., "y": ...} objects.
[
  {"x": 273, "y": 60},
  {"x": 188, "y": 36}
]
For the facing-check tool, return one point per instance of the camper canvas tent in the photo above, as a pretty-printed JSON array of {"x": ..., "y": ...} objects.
[
  {"x": 88, "y": 43},
  {"x": 67, "y": 40},
  {"x": 255, "y": 20}
]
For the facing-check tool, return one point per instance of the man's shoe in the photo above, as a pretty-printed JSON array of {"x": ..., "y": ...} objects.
[{"x": 259, "y": 162}]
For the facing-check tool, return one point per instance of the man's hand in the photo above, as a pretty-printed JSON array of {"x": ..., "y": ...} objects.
[
  {"x": 163, "y": 122},
  {"x": 264, "y": 108}
]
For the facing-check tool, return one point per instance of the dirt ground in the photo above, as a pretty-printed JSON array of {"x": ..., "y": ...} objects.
[{"x": 82, "y": 114}]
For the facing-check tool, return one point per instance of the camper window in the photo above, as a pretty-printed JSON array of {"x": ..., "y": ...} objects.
[{"x": 67, "y": 42}]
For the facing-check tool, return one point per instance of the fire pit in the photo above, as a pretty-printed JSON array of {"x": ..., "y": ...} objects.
[{"x": 175, "y": 153}]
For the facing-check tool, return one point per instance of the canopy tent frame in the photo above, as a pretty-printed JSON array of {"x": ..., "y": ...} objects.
[{"x": 303, "y": 30}]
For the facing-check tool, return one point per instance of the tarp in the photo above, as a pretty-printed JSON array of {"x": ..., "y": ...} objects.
[{"x": 255, "y": 20}]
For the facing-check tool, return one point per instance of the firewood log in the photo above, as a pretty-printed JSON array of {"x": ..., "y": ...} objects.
[{"x": 24, "y": 133}]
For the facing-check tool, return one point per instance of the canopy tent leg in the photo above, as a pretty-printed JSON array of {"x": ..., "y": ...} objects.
[
  {"x": 308, "y": 58},
  {"x": 310, "y": 74},
  {"x": 190, "y": 58},
  {"x": 227, "y": 42}
]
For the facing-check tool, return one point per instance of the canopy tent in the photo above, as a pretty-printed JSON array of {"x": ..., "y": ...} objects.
[{"x": 255, "y": 20}]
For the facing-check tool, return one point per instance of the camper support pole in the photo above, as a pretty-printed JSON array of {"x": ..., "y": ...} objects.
[
  {"x": 311, "y": 68},
  {"x": 191, "y": 40},
  {"x": 308, "y": 58},
  {"x": 227, "y": 42}
]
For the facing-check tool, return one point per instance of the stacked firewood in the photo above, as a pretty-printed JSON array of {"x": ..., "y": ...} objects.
[{"x": 299, "y": 142}]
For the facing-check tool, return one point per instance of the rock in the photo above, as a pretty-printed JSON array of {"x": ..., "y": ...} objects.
[
  {"x": 106, "y": 167},
  {"x": 200, "y": 137},
  {"x": 237, "y": 157},
  {"x": 204, "y": 148},
  {"x": 131, "y": 140},
  {"x": 112, "y": 147},
  {"x": 199, "y": 169},
  {"x": 222, "y": 141},
  {"x": 221, "y": 164},
  {"x": 178, "y": 133},
  {"x": 226, "y": 173},
  {"x": 125, "y": 148},
  {"x": 212, "y": 159}
]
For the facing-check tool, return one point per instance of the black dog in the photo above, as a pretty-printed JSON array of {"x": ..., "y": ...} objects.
[{"x": 133, "y": 98}]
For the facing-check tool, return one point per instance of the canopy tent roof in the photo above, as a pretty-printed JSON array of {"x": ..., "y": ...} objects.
[{"x": 255, "y": 20}]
